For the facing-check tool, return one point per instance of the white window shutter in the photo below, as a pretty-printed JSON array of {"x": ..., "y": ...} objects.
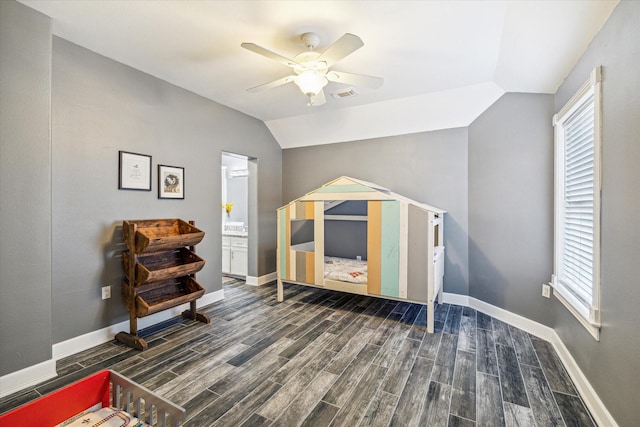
[
  {"x": 576, "y": 280},
  {"x": 576, "y": 268}
]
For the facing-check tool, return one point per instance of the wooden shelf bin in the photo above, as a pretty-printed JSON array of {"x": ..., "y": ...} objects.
[
  {"x": 163, "y": 295},
  {"x": 164, "y": 265},
  {"x": 160, "y": 268},
  {"x": 152, "y": 235}
]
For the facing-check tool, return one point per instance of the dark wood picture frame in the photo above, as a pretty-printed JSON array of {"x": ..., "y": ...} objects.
[
  {"x": 134, "y": 171},
  {"x": 170, "y": 182}
]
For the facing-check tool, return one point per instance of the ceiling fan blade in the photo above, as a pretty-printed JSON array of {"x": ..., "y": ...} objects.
[
  {"x": 318, "y": 99},
  {"x": 272, "y": 84},
  {"x": 269, "y": 54},
  {"x": 345, "y": 45},
  {"x": 359, "y": 80}
]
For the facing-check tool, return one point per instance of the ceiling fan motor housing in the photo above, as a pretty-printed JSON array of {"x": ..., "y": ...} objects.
[
  {"x": 310, "y": 40},
  {"x": 308, "y": 61}
]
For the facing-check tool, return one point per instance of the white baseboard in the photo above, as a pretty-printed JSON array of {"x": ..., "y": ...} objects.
[
  {"x": 35, "y": 374},
  {"x": 83, "y": 342},
  {"x": 599, "y": 412},
  {"x": 455, "y": 299},
  {"x": 262, "y": 280},
  {"x": 27, "y": 377},
  {"x": 527, "y": 325}
]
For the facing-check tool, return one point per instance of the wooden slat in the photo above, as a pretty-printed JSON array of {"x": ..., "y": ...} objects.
[
  {"x": 345, "y": 188},
  {"x": 374, "y": 225},
  {"x": 301, "y": 265},
  {"x": 389, "y": 248},
  {"x": 403, "y": 250},
  {"x": 282, "y": 245},
  {"x": 318, "y": 233},
  {"x": 287, "y": 242},
  {"x": 353, "y": 288},
  {"x": 309, "y": 210},
  {"x": 310, "y": 267},
  {"x": 347, "y": 196},
  {"x": 417, "y": 261}
]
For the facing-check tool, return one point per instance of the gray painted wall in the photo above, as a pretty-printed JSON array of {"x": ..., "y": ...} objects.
[
  {"x": 101, "y": 106},
  {"x": 346, "y": 239},
  {"x": 613, "y": 364},
  {"x": 25, "y": 187},
  {"x": 511, "y": 204},
  {"x": 429, "y": 167}
]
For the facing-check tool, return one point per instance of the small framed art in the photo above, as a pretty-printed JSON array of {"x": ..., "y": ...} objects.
[
  {"x": 134, "y": 171},
  {"x": 170, "y": 182}
]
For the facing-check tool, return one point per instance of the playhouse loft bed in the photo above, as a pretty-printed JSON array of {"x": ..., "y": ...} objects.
[{"x": 354, "y": 236}]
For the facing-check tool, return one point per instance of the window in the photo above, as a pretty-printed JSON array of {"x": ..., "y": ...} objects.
[{"x": 576, "y": 279}]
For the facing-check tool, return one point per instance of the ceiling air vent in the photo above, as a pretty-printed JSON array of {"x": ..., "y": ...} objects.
[{"x": 345, "y": 93}]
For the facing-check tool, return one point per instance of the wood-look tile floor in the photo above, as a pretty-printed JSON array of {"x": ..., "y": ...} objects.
[{"x": 327, "y": 358}]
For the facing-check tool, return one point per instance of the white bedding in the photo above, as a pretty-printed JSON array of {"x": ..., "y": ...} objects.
[
  {"x": 354, "y": 271},
  {"x": 345, "y": 270},
  {"x": 107, "y": 417}
]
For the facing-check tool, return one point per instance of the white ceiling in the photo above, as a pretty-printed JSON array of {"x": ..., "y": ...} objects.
[{"x": 443, "y": 62}]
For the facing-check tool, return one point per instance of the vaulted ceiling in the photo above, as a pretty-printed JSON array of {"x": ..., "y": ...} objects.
[{"x": 443, "y": 62}]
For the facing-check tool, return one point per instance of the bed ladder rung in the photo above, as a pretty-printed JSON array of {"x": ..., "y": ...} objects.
[
  {"x": 139, "y": 403},
  {"x": 164, "y": 419},
  {"x": 115, "y": 395}
]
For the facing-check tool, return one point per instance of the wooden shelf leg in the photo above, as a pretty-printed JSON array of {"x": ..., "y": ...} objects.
[
  {"x": 132, "y": 340},
  {"x": 280, "y": 291},
  {"x": 192, "y": 314},
  {"x": 201, "y": 317},
  {"x": 430, "y": 316},
  {"x": 133, "y": 323}
]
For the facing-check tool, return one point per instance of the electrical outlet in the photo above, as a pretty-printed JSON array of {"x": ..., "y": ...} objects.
[
  {"x": 106, "y": 292},
  {"x": 546, "y": 291}
]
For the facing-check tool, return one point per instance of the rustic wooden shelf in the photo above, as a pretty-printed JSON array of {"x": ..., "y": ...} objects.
[
  {"x": 160, "y": 267},
  {"x": 167, "y": 294},
  {"x": 152, "y": 235},
  {"x": 164, "y": 265}
]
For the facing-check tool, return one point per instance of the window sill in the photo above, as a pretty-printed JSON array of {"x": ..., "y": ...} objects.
[{"x": 594, "y": 330}]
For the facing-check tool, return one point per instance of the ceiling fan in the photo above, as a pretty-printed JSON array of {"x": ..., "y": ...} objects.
[{"x": 311, "y": 68}]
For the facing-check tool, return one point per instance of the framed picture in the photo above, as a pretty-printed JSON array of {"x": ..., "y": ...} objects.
[
  {"x": 170, "y": 182},
  {"x": 134, "y": 171}
]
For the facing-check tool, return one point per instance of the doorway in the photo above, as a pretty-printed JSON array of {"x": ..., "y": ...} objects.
[{"x": 235, "y": 214}]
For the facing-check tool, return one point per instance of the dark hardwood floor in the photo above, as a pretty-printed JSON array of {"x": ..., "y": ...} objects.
[{"x": 327, "y": 358}]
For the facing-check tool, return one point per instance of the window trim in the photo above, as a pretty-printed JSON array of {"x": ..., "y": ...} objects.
[{"x": 589, "y": 317}]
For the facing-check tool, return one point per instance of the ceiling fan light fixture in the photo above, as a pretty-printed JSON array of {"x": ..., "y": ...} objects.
[
  {"x": 311, "y": 82},
  {"x": 312, "y": 69}
]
